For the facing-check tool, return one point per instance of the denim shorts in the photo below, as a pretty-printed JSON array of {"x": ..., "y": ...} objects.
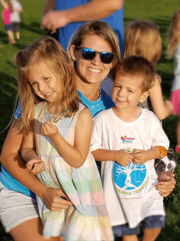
[
  {"x": 155, "y": 221},
  {"x": 8, "y": 27},
  {"x": 16, "y": 208}
]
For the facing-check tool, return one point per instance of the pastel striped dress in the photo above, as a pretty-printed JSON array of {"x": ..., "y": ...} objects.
[{"x": 87, "y": 219}]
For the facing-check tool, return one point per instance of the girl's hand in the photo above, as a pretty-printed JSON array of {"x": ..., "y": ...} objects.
[
  {"x": 166, "y": 187},
  {"x": 54, "y": 201},
  {"x": 123, "y": 158},
  {"x": 169, "y": 105},
  {"x": 139, "y": 156},
  {"x": 35, "y": 166},
  {"x": 48, "y": 129}
]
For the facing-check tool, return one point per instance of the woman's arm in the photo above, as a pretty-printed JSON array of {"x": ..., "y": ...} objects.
[
  {"x": 161, "y": 108},
  {"x": 75, "y": 155},
  {"x": 16, "y": 166}
]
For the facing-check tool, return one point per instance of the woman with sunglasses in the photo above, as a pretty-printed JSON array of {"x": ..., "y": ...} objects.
[{"x": 94, "y": 50}]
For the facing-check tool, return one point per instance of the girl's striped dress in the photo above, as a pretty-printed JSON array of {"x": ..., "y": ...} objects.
[{"x": 87, "y": 219}]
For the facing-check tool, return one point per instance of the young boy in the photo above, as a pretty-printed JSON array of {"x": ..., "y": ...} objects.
[{"x": 127, "y": 139}]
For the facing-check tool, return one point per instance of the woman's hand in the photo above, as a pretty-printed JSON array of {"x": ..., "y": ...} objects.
[
  {"x": 54, "y": 199},
  {"x": 166, "y": 187}
]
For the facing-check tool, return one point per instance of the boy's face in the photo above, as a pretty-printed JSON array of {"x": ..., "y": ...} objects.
[{"x": 127, "y": 91}]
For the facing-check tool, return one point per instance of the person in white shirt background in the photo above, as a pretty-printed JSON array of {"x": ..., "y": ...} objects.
[{"x": 15, "y": 17}]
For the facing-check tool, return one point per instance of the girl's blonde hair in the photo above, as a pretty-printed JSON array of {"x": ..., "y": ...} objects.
[
  {"x": 102, "y": 30},
  {"x": 48, "y": 51},
  {"x": 174, "y": 33},
  {"x": 143, "y": 38}
]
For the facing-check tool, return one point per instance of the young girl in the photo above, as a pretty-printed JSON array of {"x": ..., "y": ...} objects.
[
  {"x": 143, "y": 38},
  {"x": 174, "y": 48},
  {"x": 6, "y": 15},
  {"x": 61, "y": 137},
  {"x": 118, "y": 133}
]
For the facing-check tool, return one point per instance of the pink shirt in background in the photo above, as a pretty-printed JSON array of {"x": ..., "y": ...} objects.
[{"x": 6, "y": 16}]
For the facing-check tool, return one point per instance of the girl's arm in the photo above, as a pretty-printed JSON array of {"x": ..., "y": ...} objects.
[
  {"x": 73, "y": 155},
  {"x": 34, "y": 164},
  {"x": 3, "y": 4},
  {"x": 16, "y": 166},
  {"x": 161, "y": 108}
]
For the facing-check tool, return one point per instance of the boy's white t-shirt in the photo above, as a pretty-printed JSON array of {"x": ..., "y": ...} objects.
[
  {"x": 129, "y": 191},
  {"x": 15, "y": 16}
]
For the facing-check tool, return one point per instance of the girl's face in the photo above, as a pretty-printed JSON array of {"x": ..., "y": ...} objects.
[
  {"x": 127, "y": 92},
  {"x": 91, "y": 71},
  {"x": 44, "y": 83}
]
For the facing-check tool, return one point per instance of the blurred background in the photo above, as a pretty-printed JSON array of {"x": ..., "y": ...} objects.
[{"x": 158, "y": 11}]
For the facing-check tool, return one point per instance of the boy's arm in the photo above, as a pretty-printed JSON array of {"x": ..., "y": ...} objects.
[
  {"x": 141, "y": 156},
  {"x": 121, "y": 157},
  {"x": 77, "y": 154}
]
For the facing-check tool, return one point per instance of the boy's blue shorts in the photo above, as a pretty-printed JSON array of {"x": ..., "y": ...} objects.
[{"x": 155, "y": 221}]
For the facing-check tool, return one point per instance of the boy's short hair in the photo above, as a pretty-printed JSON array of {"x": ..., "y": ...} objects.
[{"x": 137, "y": 66}]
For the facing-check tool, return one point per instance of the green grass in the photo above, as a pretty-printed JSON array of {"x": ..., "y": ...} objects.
[{"x": 158, "y": 11}]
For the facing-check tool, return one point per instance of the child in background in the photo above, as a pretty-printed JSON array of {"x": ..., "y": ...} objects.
[
  {"x": 15, "y": 17},
  {"x": 7, "y": 10},
  {"x": 60, "y": 134},
  {"x": 143, "y": 38},
  {"x": 174, "y": 49},
  {"x": 118, "y": 133}
]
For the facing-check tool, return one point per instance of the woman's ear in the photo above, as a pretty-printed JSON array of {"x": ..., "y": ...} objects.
[
  {"x": 73, "y": 52},
  {"x": 144, "y": 96}
]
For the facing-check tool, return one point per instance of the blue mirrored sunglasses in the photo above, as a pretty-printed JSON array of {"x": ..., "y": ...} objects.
[{"x": 90, "y": 54}]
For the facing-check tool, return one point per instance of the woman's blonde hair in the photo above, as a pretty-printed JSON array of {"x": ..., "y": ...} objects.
[
  {"x": 143, "y": 38},
  {"x": 174, "y": 34},
  {"x": 102, "y": 30},
  {"x": 48, "y": 51}
]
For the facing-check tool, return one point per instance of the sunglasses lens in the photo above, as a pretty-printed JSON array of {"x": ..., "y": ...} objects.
[
  {"x": 107, "y": 57},
  {"x": 88, "y": 54}
]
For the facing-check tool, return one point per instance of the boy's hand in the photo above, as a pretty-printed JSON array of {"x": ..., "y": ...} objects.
[
  {"x": 35, "y": 166},
  {"x": 139, "y": 156},
  {"x": 48, "y": 129},
  {"x": 123, "y": 158}
]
